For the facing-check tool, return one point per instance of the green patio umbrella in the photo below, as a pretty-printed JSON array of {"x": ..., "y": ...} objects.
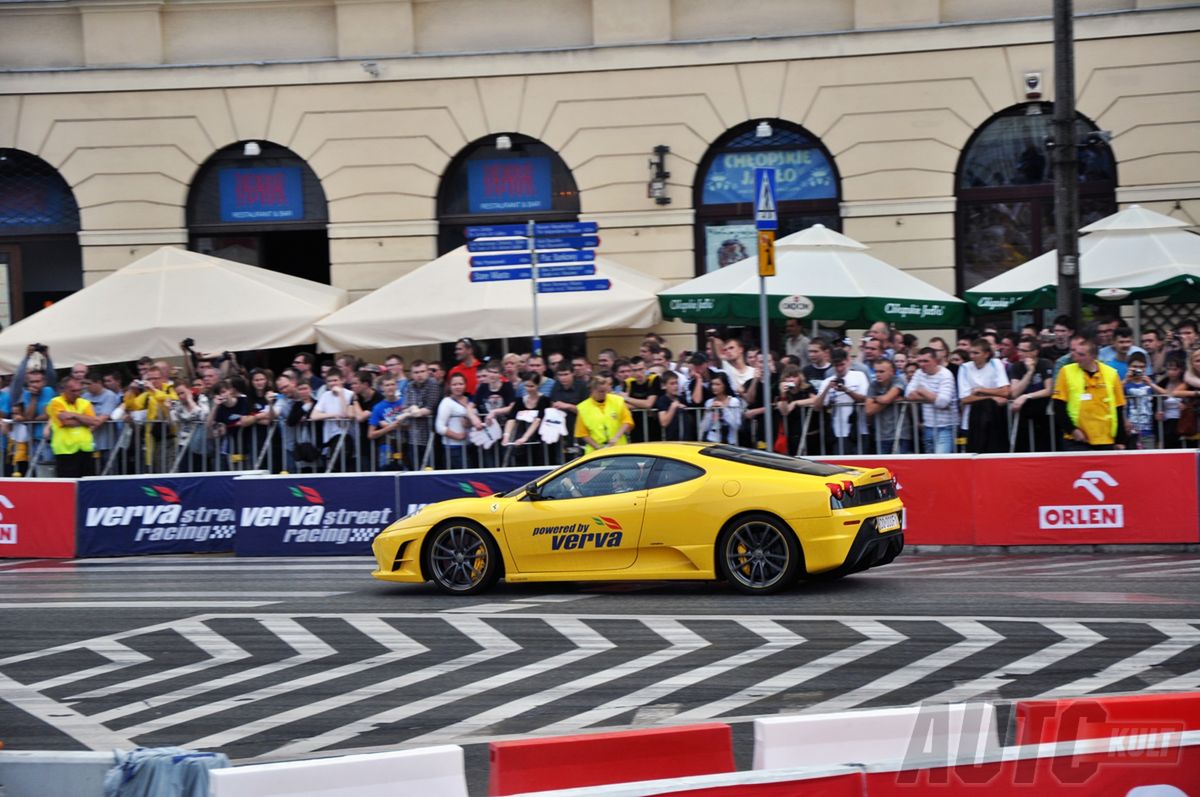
[{"x": 820, "y": 275}]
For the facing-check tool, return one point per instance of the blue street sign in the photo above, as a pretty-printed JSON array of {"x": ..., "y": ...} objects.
[
  {"x": 577, "y": 256},
  {"x": 582, "y": 270},
  {"x": 518, "y": 244},
  {"x": 766, "y": 212},
  {"x": 571, "y": 286},
  {"x": 490, "y": 261},
  {"x": 523, "y": 259},
  {"x": 572, "y": 242},
  {"x": 566, "y": 228},
  {"x": 499, "y": 274},
  {"x": 499, "y": 245},
  {"x": 496, "y": 230}
]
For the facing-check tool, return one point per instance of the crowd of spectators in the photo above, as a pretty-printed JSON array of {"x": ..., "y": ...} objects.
[{"x": 890, "y": 392}]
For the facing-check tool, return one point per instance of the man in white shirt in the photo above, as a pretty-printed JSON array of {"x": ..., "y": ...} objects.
[
  {"x": 846, "y": 390},
  {"x": 337, "y": 408},
  {"x": 733, "y": 360},
  {"x": 934, "y": 385}
]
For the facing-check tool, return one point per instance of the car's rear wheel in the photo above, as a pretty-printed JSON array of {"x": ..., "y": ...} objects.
[
  {"x": 462, "y": 558},
  {"x": 758, "y": 554}
]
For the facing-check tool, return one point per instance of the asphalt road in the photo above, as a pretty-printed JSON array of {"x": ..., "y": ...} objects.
[{"x": 284, "y": 658}]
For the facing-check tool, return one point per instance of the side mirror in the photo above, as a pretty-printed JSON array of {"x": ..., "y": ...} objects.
[{"x": 533, "y": 492}]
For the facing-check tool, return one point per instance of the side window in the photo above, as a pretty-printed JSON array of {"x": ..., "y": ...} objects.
[
  {"x": 670, "y": 471},
  {"x": 597, "y": 477}
]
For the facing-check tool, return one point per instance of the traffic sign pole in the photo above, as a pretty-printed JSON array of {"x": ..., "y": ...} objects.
[
  {"x": 533, "y": 286},
  {"x": 766, "y": 220}
]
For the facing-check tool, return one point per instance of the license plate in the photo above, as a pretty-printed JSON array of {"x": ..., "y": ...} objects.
[{"x": 885, "y": 523}]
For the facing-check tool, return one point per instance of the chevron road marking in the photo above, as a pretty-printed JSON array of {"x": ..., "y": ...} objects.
[
  {"x": 777, "y": 639},
  {"x": 494, "y": 644},
  {"x": 308, "y": 646},
  {"x": 218, "y": 647},
  {"x": 682, "y": 641},
  {"x": 137, "y": 604},
  {"x": 401, "y": 645},
  {"x": 1075, "y": 638},
  {"x": 118, "y": 654},
  {"x": 1179, "y": 637},
  {"x": 81, "y": 728},
  {"x": 588, "y": 643},
  {"x": 976, "y": 637},
  {"x": 878, "y": 637}
]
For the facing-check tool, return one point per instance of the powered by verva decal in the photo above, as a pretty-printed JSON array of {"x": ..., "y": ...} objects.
[{"x": 599, "y": 532}]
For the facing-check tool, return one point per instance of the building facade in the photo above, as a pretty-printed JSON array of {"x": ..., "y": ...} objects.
[{"x": 350, "y": 140}]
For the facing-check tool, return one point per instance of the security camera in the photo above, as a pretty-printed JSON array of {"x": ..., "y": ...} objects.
[{"x": 1033, "y": 85}]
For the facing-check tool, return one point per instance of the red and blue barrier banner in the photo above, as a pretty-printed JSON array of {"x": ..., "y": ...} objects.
[
  {"x": 136, "y": 515},
  {"x": 935, "y": 489},
  {"x": 332, "y": 515},
  {"x": 37, "y": 518},
  {"x": 1088, "y": 499},
  {"x": 420, "y": 488}
]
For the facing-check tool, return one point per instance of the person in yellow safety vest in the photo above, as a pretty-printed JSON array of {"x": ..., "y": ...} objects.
[
  {"x": 1089, "y": 402},
  {"x": 154, "y": 396},
  {"x": 603, "y": 419},
  {"x": 72, "y": 419}
]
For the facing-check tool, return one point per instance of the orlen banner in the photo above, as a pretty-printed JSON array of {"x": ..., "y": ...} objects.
[
  {"x": 129, "y": 515},
  {"x": 37, "y": 518},
  {"x": 936, "y": 491},
  {"x": 1069, "y": 499},
  {"x": 313, "y": 516}
]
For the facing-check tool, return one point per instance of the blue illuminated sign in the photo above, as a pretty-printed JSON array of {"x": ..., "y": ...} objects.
[
  {"x": 272, "y": 193},
  {"x": 799, "y": 174}
]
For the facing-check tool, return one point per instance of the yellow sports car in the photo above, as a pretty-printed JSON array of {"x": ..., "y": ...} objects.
[{"x": 656, "y": 511}]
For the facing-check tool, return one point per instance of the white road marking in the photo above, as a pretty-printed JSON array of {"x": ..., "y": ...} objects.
[
  {"x": 79, "y": 727},
  {"x": 126, "y": 594},
  {"x": 777, "y": 639},
  {"x": 878, "y": 637},
  {"x": 137, "y": 604},
  {"x": 495, "y": 644},
  {"x": 1179, "y": 635},
  {"x": 976, "y": 637},
  {"x": 118, "y": 654}
]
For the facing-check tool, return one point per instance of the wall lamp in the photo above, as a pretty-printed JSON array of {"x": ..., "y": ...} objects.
[
  {"x": 656, "y": 189},
  {"x": 763, "y": 130},
  {"x": 503, "y": 142},
  {"x": 251, "y": 149}
]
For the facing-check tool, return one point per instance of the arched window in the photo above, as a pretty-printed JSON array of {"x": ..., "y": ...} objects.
[
  {"x": 40, "y": 258},
  {"x": 484, "y": 184},
  {"x": 807, "y": 189},
  {"x": 1005, "y": 190},
  {"x": 266, "y": 209}
]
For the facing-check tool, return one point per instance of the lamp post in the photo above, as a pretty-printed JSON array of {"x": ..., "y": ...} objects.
[{"x": 1066, "y": 164}]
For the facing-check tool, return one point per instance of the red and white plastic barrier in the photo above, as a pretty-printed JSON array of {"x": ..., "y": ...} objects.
[
  {"x": 424, "y": 772},
  {"x": 1130, "y": 717},
  {"x": 873, "y": 736},
  {"x": 594, "y": 759}
]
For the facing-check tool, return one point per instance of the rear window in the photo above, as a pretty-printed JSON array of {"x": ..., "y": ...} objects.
[{"x": 772, "y": 461}]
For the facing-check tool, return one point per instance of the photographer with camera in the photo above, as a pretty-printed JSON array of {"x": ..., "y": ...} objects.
[
  {"x": 28, "y": 396},
  {"x": 846, "y": 391},
  {"x": 1140, "y": 391},
  {"x": 149, "y": 401}
]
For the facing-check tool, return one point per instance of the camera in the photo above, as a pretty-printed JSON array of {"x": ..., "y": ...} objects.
[
  {"x": 788, "y": 385},
  {"x": 839, "y": 381},
  {"x": 1033, "y": 85},
  {"x": 1137, "y": 372},
  {"x": 40, "y": 348},
  {"x": 188, "y": 343}
]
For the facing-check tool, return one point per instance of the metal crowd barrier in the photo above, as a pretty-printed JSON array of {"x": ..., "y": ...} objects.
[{"x": 130, "y": 447}]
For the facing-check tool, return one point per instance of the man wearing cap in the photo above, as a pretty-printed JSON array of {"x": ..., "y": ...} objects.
[
  {"x": 467, "y": 353},
  {"x": 846, "y": 391}
]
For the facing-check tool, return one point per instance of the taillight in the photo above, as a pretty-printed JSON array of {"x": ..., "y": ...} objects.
[
  {"x": 836, "y": 490},
  {"x": 848, "y": 488}
]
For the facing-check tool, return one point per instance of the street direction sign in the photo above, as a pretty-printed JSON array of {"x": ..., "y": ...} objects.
[
  {"x": 571, "y": 286},
  {"x": 547, "y": 228},
  {"x": 523, "y": 258},
  {"x": 496, "y": 230},
  {"x": 580, "y": 270},
  {"x": 500, "y": 274},
  {"x": 766, "y": 212},
  {"x": 522, "y": 244}
]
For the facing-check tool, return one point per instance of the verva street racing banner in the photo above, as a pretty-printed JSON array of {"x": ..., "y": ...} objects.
[
  {"x": 136, "y": 515},
  {"x": 336, "y": 515}
]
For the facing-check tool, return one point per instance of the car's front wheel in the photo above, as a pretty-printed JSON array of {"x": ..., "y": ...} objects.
[
  {"x": 462, "y": 558},
  {"x": 758, "y": 554}
]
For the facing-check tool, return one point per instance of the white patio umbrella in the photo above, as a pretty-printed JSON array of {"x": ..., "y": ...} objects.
[
  {"x": 149, "y": 306},
  {"x": 438, "y": 303},
  {"x": 1133, "y": 254},
  {"x": 819, "y": 274}
]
